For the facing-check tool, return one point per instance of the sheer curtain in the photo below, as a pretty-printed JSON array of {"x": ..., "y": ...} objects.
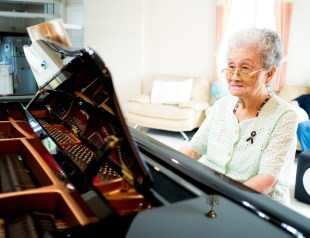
[
  {"x": 234, "y": 15},
  {"x": 222, "y": 12},
  {"x": 283, "y": 17}
]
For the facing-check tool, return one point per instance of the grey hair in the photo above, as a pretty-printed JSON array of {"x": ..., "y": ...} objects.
[{"x": 267, "y": 41}]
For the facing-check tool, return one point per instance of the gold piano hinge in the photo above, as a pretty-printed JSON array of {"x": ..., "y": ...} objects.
[
  {"x": 140, "y": 179},
  {"x": 127, "y": 175},
  {"x": 112, "y": 140},
  {"x": 75, "y": 130}
]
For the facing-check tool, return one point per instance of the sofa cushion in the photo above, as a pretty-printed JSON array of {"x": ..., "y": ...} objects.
[
  {"x": 196, "y": 105},
  {"x": 171, "y": 92},
  {"x": 144, "y": 99},
  {"x": 160, "y": 111},
  {"x": 187, "y": 124}
]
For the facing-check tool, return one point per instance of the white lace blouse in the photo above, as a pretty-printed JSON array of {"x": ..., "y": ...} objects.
[{"x": 264, "y": 144}]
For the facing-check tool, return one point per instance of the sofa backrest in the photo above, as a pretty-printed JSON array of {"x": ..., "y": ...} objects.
[
  {"x": 200, "y": 88},
  {"x": 290, "y": 92}
]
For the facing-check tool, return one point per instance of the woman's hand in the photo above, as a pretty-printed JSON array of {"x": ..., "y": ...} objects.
[
  {"x": 187, "y": 150},
  {"x": 262, "y": 183}
]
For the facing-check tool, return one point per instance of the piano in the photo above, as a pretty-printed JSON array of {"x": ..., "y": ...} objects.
[{"x": 70, "y": 166}]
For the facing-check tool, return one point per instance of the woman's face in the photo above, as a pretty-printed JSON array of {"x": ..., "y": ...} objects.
[{"x": 251, "y": 78}]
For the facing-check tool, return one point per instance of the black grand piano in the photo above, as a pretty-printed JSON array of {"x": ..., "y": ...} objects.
[{"x": 71, "y": 167}]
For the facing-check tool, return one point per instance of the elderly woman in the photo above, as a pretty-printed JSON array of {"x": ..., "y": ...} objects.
[{"x": 250, "y": 135}]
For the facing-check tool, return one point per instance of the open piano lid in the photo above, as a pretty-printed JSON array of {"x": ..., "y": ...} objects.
[{"x": 77, "y": 89}]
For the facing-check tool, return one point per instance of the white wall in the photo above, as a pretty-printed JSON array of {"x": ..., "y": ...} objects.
[
  {"x": 179, "y": 37},
  {"x": 137, "y": 38},
  {"x": 114, "y": 29},
  {"x": 298, "y": 65}
]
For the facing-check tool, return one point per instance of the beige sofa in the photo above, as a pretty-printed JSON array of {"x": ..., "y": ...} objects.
[{"x": 181, "y": 115}]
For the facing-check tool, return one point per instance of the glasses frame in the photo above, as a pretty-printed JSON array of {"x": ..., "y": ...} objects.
[{"x": 239, "y": 73}]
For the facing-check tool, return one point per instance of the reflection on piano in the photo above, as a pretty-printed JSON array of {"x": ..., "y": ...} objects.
[{"x": 71, "y": 167}]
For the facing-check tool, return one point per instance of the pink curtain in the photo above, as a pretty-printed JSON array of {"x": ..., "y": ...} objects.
[
  {"x": 222, "y": 12},
  {"x": 283, "y": 15}
]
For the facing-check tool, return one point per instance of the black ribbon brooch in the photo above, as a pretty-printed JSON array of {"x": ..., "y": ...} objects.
[{"x": 251, "y": 138}]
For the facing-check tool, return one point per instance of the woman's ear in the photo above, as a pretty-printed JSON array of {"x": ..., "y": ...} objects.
[{"x": 270, "y": 74}]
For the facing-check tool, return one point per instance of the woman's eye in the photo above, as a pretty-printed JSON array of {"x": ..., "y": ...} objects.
[{"x": 245, "y": 68}]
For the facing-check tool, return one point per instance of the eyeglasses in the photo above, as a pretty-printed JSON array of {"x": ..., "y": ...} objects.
[{"x": 242, "y": 74}]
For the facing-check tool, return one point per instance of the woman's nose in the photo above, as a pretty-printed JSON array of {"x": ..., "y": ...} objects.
[{"x": 235, "y": 75}]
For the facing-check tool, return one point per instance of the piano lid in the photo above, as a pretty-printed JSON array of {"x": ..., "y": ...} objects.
[
  {"x": 79, "y": 92},
  {"x": 46, "y": 59}
]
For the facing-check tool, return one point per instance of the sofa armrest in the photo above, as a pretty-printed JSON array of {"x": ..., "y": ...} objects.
[
  {"x": 142, "y": 98},
  {"x": 196, "y": 105},
  {"x": 208, "y": 110}
]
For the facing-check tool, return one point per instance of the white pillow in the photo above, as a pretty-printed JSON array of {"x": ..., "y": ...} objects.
[
  {"x": 301, "y": 113},
  {"x": 171, "y": 92}
]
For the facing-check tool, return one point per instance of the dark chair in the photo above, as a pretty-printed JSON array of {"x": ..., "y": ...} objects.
[{"x": 302, "y": 184}]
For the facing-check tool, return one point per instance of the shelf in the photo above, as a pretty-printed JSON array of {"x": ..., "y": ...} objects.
[
  {"x": 28, "y": 15},
  {"x": 34, "y": 1},
  {"x": 16, "y": 16}
]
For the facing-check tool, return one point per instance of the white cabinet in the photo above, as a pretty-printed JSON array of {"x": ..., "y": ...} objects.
[{"x": 6, "y": 84}]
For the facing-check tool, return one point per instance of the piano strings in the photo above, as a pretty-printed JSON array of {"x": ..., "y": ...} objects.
[
  {"x": 14, "y": 174},
  {"x": 33, "y": 224},
  {"x": 74, "y": 116}
]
